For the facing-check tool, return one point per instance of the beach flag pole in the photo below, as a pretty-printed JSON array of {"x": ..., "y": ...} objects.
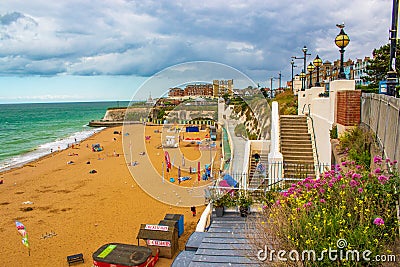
[
  {"x": 130, "y": 150},
  {"x": 162, "y": 167}
]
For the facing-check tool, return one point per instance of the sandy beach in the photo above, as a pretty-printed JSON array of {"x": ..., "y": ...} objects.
[{"x": 83, "y": 210}]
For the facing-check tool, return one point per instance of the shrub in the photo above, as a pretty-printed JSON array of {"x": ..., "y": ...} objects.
[
  {"x": 357, "y": 144},
  {"x": 347, "y": 203}
]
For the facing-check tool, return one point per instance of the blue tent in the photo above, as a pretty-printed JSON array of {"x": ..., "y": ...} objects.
[{"x": 230, "y": 180}]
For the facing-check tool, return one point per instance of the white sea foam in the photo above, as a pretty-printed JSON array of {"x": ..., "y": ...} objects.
[{"x": 47, "y": 148}]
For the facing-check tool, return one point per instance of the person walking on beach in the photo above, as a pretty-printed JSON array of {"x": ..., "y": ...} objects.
[{"x": 193, "y": 210}]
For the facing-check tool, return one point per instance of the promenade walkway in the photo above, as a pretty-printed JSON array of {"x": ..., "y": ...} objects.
[{"x": 238, "y": 144}]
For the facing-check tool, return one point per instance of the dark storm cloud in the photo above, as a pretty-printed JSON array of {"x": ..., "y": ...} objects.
[{"x": 144, "y": 37}]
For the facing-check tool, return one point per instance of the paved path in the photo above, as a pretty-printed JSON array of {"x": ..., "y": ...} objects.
[{"x": 238, "y": 144}]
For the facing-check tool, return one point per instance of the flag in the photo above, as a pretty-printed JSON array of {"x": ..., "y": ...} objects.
[
  {"x": 198, "y": 171},
  {"x": 22, "y": 230}
]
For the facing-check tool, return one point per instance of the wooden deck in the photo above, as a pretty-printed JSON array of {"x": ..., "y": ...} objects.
[{"x": 227, "y": 243}]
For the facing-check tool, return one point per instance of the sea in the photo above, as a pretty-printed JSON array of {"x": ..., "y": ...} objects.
[{"x": 30, "y": 131}]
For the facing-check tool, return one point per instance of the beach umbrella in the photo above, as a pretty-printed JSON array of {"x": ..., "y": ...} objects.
[{"x": 22, "y": 230}]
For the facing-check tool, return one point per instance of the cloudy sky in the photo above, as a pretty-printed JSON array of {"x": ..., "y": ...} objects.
[{"x": 71, "y": 50}]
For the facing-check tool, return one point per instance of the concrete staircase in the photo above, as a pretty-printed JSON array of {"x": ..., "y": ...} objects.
[
  {"x": 296, "y": 147},
  {"x": 256, "y": 179}
]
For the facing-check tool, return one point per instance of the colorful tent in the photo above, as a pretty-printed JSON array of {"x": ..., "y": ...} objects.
[{"x": 230, "y": 180}]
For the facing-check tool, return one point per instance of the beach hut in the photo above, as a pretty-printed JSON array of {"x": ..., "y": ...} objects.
[
  {"x": 179, "y": 218},
  {"x": 160, "y": 238},
  {"x": 123, "y": 255}
]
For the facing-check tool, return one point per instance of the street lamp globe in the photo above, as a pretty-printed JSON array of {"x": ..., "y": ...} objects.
[
  {"x": 341, "y": 41},
  {"x": 317, "y": 63},
  {"x": 310, "y": 69}
]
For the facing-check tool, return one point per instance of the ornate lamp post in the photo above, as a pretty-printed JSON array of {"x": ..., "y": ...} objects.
[
  {"x": 317, "y": 63},
  {"x": 303, "y": 78},
  {"x": 292, "y": 63},
  {"x": 303, "y": 84},
  {"x": 310, "y": 69},
  {"x": 391, "y": 78},
  {"x": 341, "y": 41}
]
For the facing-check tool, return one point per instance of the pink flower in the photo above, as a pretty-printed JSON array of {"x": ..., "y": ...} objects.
[
  {"x": 354, "y": 183},
  {"x": 344, "y": 163},
  {"x": 377, "y": 159},
  {"x": 360, "y": 190},
  {"x": 358, "y": 167},
  {"x": 383, "y": 179},
  {"x": 322, "y": 190},
  {"x": 378, "y": 170},
  {"x": 394, "y": 161},
  {"x": 322, "y": 200},
  {"x": 356, "y": 176},
  {"x": 330, "y": 184},
  {"x": 379, "y": 221}
]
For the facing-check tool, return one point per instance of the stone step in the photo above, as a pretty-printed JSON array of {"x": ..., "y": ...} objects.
[
  {"x": 294, "y": 117},
  {"x": 297, "y": 151},
  {"x": 295, "y": 157},
  {"x": 288, "y": 142},
  {"x": 295, "y": 137},
  {"x": 296, "y": 164},
  {"x": 294, "y": 128}
]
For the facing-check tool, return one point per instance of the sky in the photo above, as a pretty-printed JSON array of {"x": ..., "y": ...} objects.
[{"x": 70, "y": 50}]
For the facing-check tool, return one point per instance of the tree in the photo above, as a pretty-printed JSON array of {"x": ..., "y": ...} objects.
[{"x": 379, "y": 64}]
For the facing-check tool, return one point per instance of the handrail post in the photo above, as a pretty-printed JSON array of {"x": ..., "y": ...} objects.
[{"x": 275, "y": 156}]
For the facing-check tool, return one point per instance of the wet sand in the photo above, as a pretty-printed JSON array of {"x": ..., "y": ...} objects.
[{"x": 84, "y": 210}]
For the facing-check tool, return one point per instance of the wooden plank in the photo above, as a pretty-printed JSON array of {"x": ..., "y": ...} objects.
[
  {"x": 211, "y": 264},
  {"x": 225, "y": 240},
  {"x": 226, "y": 252},
  {"x": 221, "y": 259},
  {"x": 223, "y": 246},
  {"x": 183, "y": 259},
  {"x": 234, "y": 235},
  {"x": 195, "y": 240}
]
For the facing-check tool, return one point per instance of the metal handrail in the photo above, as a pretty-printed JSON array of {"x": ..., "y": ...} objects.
[{"x": 313, "y": 130}]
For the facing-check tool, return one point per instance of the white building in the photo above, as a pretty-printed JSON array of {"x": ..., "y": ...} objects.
[{"x": 360, "y": 70}]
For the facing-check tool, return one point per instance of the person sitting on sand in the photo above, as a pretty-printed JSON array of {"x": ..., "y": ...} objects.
[{"x": 70, "y": 162}]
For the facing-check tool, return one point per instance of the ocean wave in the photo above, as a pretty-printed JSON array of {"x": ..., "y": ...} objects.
[{"x": 47, "y": 148}]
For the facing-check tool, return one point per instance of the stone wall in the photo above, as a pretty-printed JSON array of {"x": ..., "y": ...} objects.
[{"x": 381, "y": 113}]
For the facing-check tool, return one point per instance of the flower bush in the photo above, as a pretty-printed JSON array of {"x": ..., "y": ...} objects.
[{"x": 347, "y": 202}]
